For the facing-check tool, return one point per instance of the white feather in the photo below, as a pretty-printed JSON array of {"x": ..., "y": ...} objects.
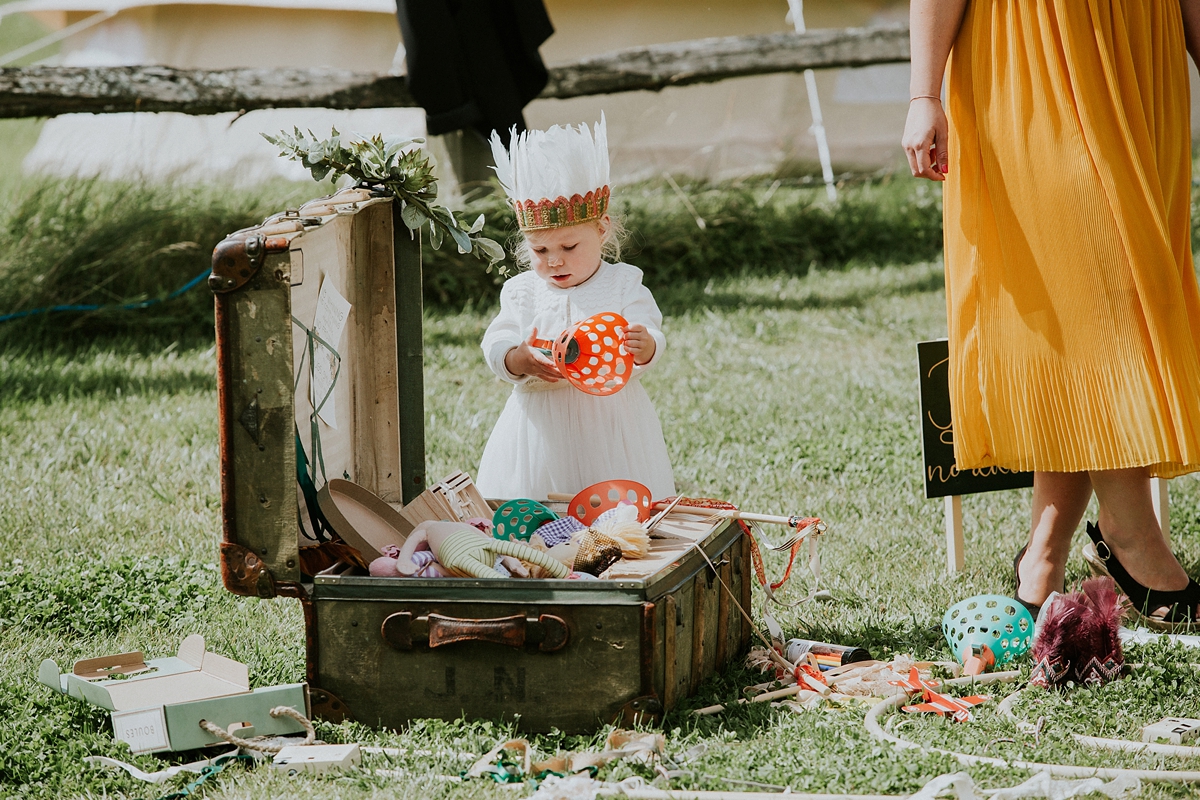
[{"x": 557, "y": 162}]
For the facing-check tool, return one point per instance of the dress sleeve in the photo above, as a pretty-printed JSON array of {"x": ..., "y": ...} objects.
[
  {"x": 504, "y": 333},
  {"x": 643, "y": 309}
]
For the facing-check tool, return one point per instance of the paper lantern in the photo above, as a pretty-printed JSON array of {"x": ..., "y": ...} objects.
[
  {"x": 999, "y": 623},
  {"x": 517, "y": 520},
  {"x": 591, "y": 354},
  {"x": 600, "y": 497}
]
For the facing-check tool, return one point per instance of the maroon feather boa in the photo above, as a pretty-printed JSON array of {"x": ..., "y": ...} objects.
[{"x": 1078, "y": 639}]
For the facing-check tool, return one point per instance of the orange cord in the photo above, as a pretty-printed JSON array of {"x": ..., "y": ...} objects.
[{"x": 755, "y": 553}]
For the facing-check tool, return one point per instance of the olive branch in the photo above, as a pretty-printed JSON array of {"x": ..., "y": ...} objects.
[{"x": 405, "y": 171}]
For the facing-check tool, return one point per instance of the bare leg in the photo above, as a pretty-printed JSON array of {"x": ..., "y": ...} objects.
[
  {"x": 1131, "y": 530},
  {"x": 1059, "y": 500}
]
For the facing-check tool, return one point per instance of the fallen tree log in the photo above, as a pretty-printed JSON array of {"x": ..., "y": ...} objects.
[
  {"x": 50, "y": 91},
  {"x": 708, "y": 60}
]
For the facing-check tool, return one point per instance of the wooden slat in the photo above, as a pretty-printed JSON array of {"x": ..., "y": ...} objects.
[
  {"x": 747, "y": 572},
  {"x": 410, "y": 358},
  {"x": 648, "y": 648},
  {"x": 671, "y": 609},
  {"x": 375, "y": 397},
  {"x": 724, "y": 587},
  {"x": 50, "y": 91},
  {"x": 699, "y": 597}
]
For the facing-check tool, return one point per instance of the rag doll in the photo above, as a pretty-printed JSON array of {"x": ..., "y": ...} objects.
[{"x": 464, "y": 551}]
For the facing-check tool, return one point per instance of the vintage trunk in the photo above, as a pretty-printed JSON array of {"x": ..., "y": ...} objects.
[{"x": 563, "y": 654}]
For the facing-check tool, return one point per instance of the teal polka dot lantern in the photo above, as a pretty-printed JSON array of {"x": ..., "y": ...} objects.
[
  {"x": 516, "y": 520},
  {"x": 998, "y": 622}
]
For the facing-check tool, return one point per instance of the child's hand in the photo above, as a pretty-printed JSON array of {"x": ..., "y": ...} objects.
[
  {"x": 640, "y": 344},
  {"x": 525, "y": 359}
]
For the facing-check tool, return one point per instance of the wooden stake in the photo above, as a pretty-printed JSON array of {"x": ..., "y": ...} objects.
[
  {"x": 1160, "y": 496},
  {"x": 955, "y": 557}
]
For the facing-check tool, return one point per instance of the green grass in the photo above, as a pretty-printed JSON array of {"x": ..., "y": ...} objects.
[
  {"x": 97, "y": 242},
  {"x": 753, "y": 226},
  {"x": 100, "y": 242},
  {"x": 786, "y": 394}
]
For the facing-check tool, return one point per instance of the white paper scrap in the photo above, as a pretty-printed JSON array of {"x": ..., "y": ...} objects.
[
  {"x": 960, "y": 786},
  {"x": 155, "y": 777},
  {"x": 330, "y": 320},
  {"x": 1143, "y": 636}
]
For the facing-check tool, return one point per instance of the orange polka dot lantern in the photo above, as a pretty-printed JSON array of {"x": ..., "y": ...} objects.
[
  {"x": 591, "y": 354},
  {"x": 600, "y": 497}
]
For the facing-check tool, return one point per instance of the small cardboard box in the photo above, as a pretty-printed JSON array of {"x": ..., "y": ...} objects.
[
  {"x": 157, "y": 705},
  {"x": 317, "y": 758},
  {"x": 1171, "y": 730}
]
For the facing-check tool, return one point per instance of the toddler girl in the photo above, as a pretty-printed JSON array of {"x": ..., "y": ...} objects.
[{"x": 552, "y": 437}]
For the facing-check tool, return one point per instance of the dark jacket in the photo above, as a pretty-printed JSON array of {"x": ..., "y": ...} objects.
[{"x": 474, "y": 63}]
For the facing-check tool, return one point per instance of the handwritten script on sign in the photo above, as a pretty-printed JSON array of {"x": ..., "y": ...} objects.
[{"x": 942, "y": 476}]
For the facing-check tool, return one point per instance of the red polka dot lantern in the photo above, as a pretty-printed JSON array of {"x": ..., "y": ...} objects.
[{"x": 591, "y": 354}]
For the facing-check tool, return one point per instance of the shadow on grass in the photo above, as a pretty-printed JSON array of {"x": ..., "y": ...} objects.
[
  {"x": 51, "y": 358},
  {"x": 682, "y": 298},
  {"x": 140, "y": 332},
  {"x": 47, "y": 385},
  {"x": 76, "y": 366},
  {"x": 753, "y": 291}
]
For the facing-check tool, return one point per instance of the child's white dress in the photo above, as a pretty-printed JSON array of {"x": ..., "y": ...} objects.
[{"x": 551, "y": 437}]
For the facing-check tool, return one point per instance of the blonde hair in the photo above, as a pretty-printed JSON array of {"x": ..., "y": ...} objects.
[{"x": 610, "y": 243}]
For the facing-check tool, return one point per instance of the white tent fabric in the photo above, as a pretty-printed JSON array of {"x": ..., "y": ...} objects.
[
  {"x": 718, "y": 130},
  {"x": 352, "y": 34},
  {"x": 31, "y": 6},
  {"x": 178, "y": 147}
]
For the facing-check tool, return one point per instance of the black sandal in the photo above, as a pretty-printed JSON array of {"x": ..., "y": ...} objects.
[
  {"x": 1183, "y": 605},
  {"x": 1034, "y": 610}
]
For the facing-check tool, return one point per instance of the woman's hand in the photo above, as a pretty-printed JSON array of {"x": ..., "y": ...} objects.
[
  {"x": 924, "y": 141},
  {"x": 933, "y": 25},
  {"x": 525, "y": 359},
  {"x": 640, "y": 344}
]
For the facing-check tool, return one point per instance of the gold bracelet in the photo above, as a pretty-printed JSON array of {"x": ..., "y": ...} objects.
[{"x": 926, "y": 96}]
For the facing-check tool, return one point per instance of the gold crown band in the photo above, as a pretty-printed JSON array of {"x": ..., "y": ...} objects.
[{"x": 558, "y": 213}]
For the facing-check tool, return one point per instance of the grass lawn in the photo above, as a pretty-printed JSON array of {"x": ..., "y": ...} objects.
[{"x": 795, "y": 395}]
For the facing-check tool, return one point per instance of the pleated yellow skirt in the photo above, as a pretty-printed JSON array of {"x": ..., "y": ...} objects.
[{"x": 1074, "y": 315}]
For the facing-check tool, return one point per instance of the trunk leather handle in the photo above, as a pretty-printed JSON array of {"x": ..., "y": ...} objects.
[{"x": 403, "y": 631}]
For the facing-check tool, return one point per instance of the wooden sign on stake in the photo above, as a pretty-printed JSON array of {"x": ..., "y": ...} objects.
[{"x": 942, "y": 476}]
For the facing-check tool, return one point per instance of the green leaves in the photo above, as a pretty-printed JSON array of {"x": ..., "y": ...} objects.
[
  {"x": 490, "y": 248},
  {"x": 393, "y": 163},
  {"x": 413, "y": 216}
]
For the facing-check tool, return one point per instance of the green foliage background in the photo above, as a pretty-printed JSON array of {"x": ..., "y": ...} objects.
[
  {"x": 103, "y": 242},
  {"x": 749, "y": 229}
]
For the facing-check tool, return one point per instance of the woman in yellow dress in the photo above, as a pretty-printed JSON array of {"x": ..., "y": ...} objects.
[{"x": 1073, "y": 308}]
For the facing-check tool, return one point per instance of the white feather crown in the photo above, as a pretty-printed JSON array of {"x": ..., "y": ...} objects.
[{"x": 556, "y": 177}]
